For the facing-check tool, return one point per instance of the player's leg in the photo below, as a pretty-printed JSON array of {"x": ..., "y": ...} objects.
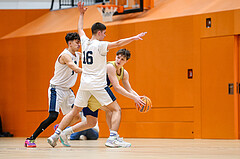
[
  {"x": 106, "y": 97},
  {"x": 89, "y": 134},
  {"x": 76, "y": 135},
  {"x": 115, "y": 118},
  {"x": 67, "y": 119},
  {"x": 54, "y": 96},
  {"x": 114, "y": 114},
  {"x": 90, "y": 122},
  {"x": 51, "y": 118},
  {"x": 108, "y": 116},
  {"x": 81, "y": 100},
  {"x": 100, "y": 99},
  {"x": 68, "y": 106},
  {"x": 92, "y": 134}
]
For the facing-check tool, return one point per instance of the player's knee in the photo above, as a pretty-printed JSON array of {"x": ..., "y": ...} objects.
[
  {"x": 107, "y": 110},
  {"x": 92, "y": 124},
  {"x": 93, "y": 137},
  {"x": 53, "y": 116},
  {"x": 114, "y": 107},
  {"x": 108, "y": 113},
  {"x": 117, "y": 109},
  {"x": 77, "y": 117},
  {"x": 75, "y": 111}
]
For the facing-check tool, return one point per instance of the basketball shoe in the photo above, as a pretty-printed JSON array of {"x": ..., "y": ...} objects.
[
  {"x": 52, "y": 141},
  {"x": 64, "y": 139},
  {"x": 30, "y": 143},
  {"x": 115, "y": 142}
]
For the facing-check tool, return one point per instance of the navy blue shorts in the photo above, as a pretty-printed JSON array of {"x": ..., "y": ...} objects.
[{"x": 87, "y": 111}]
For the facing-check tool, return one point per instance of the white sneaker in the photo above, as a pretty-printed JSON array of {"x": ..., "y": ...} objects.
[
  {"x": 123, "y": 143},
  {"x": 52, "y": 141},
  {"x": 111, "y": 142},
  {"x": 116, "y": 142},
  {"x": 64, "y": 139}
]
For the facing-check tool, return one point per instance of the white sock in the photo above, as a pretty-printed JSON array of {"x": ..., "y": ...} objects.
[
  {"x": 56, "y": 133},
  {"x": 113, "y": 133},
  {"x": 68, "y": 131}
]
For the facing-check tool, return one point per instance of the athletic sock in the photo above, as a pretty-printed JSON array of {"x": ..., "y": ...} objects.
[
  {"x": 68, "y": 131},
  {"x": 56, "y": 133},
  {"x": 113, "y": 134}
]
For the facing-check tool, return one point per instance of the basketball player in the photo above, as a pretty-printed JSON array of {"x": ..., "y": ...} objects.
[
  {"x": 115, "y": 72},
  {"x": 93, "y": 79},
  {"x": 60, "y": 94}
]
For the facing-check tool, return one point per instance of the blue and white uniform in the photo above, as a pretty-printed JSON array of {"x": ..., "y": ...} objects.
[{"x": 60, "y": 94}]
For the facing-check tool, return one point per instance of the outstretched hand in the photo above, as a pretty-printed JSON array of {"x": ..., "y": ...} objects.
[
  {"x": 81, "y": 7},
  {"x": 139, "y": 36},
  {"x": 138, "y": 101}
]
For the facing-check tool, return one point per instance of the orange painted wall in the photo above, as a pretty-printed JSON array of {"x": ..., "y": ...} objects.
[
  {"x": 217, "y": 104},
  {"x": 238, "y": 107},
  {"x": 219, "y": 110},
  {"x": 13, "y": 19},
  {"x": 158, "y": 69}
]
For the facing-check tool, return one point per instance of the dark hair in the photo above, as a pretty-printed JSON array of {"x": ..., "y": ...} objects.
[
  {"x": 124, "y": 52},
  {"x": 97, "y": 26},
  {"x": 72, "y": 36}
]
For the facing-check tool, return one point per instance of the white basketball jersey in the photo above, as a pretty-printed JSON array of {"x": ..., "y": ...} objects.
[
  {"x": 63, "y": 75},
  {"x": 94, "y": 64}
]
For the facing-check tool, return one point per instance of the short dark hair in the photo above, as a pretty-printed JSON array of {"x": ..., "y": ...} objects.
[
  {"x": 124, "y": 52},
  {"x": 72, "y": 36},
  {"x": 97, "y": 26}
]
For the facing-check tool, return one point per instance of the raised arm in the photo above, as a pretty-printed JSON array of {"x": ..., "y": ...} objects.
[
  {"x": 82, "y": 10},
  {"x": 66, "y": 59},
  {"x": 125, "y": 41}
]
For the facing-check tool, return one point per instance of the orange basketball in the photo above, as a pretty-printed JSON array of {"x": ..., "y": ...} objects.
[{"x": 145, "y": 108}]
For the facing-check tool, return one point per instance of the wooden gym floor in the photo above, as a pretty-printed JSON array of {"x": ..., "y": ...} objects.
[{"x": 13, "y": 148}]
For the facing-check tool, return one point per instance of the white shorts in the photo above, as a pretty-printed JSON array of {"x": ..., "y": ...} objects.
[
  {"x": 104, "y": 97},
  {"x": 60, "y": 98}
]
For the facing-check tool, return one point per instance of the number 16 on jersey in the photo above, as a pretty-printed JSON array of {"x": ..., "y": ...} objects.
[{"x": 87, "y": 57}]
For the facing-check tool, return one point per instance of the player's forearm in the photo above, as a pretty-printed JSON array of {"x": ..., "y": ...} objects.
[
  {"x": 134, "y": 93},
  {"x": 74, "y": 67},
  {"x": 123, "y": 92},
  {"x": 125, "y": 41},
  {"x": 80, "y": 21},
  {"x": 128, "y": 87},
  {"x": 78, "y": 70}
]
